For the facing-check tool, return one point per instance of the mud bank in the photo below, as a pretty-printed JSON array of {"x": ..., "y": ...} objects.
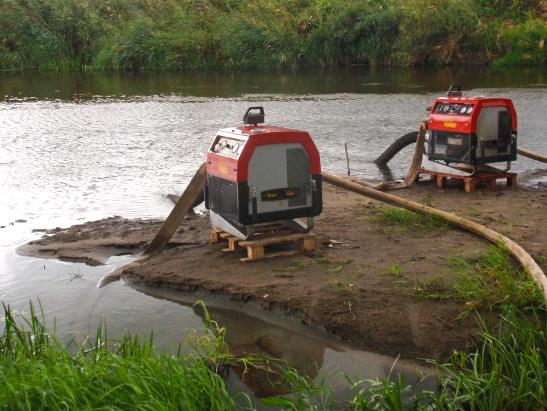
[
  {"x": 94, "y": 242},
  {"x": 345, "y": 288}
]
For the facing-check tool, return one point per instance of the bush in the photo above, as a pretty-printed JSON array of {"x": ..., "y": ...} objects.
[
  {"x": 441, "y": 32},
  {"x": 523, "y": 43},
  {"x": 236, "y": 34}
]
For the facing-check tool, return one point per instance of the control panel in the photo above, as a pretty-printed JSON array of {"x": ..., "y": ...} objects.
[
  {"x": 454, "y": 108},
  {"x": 229, "y": 147}
]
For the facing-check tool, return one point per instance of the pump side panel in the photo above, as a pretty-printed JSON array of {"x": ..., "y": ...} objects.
[
  {"x": 279, "y": 137},
  {"x": 277, "y": 167},
  {"x": 493, "y": 142}
]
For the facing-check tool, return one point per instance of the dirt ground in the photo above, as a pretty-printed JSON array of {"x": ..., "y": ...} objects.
[{"x": 351, "y": 286}]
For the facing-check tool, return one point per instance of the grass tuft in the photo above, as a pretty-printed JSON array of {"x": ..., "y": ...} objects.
[
  {"x": 408, "y": 221},
  {"x": 396, "y": 272},
  {"x": 434, "y": 289},
  {"x": 334, "y": 261},
  {"x": 493, "y": 280},
  {"x": 487, "y": 282},
  {"x": 289, "y": 270}
]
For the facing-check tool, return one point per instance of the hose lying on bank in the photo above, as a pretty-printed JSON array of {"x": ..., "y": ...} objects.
[
  {"x": 516, "y": 250},
  {"x": 410, "y": 138}
]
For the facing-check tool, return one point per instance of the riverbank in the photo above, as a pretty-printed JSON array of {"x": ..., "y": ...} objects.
[
  {"x": 167, "y": 35},
  {"x": 380, "y": 279}
]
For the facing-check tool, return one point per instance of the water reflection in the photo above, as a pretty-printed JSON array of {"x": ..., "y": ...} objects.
[
  {"x": 251, "y": 330},
  {"x": 227, "y": 84}
]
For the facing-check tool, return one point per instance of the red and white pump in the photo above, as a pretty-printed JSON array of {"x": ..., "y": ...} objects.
[
  {"x": 470, "y": 132},
  {"x": 258, "y": 174}
]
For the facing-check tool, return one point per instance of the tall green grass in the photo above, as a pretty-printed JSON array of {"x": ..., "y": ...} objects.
[
  {"x": 504, "y": 370},
  {"x": 37, "y": 372},
  {"x": 493, "y": 280},
  {"x": 59, "y": 35},
  {"x": 507, "y": 370}
]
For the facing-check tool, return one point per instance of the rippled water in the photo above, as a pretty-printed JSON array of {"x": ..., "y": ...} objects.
[{"x": 79, "y": 148}]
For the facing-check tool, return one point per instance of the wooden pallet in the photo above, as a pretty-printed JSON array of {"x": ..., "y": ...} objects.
[
  {"x": 470, "y": 182},
  {"x": 257, "y": 249}
]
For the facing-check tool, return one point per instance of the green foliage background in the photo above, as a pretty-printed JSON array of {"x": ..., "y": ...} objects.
[{"x": 72, "y": 35}]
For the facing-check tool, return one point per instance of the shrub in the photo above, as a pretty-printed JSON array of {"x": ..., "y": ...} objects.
[{"x": 523, "y": 43}]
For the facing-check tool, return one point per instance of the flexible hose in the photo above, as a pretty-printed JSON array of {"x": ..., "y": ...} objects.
[
  {"x": 410, "y": 138},
  {"x": 532, "y": 154},
  {"x": 516, "y": 250}
]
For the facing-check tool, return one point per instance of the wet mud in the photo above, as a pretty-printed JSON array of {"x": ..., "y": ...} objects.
[{"x": 346, "y": 288}]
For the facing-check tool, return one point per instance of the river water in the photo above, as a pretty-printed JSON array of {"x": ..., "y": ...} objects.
[{"x": 76, "y": 148}]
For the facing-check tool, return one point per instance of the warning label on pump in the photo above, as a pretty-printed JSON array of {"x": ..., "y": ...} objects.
[{"x": 279, "y": 194}]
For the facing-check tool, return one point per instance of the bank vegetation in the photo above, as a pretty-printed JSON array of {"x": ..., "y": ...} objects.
[
  {"x": 505, "y": 370},
  {"x": 120, "y": 35}
]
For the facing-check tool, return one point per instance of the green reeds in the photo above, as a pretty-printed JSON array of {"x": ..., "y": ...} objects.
[
  {"x": 505, "y": 370},
  {"x": 37, "y": 372},
  {"x": 492, "y": 280}
]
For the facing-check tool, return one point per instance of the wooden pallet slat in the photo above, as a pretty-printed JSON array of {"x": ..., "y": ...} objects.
[
  {"x": 232, "y": 244},
  {"x": 305, "y": 242},
  {"x": 470, "y": 182},
  {"x": 257, "y": 249},
  {"x": 214, "y": 235}
]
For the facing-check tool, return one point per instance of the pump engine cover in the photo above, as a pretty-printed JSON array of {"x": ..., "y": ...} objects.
[
  {"x": 259, "y": 173},
  {"x": 472, "y": 130}
]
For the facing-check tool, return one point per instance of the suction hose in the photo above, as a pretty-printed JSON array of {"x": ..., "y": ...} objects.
[
  {"x": 396, "y": 146},
  {"x": 410, "y": 138},
  {"x": 415, "y": 165}
]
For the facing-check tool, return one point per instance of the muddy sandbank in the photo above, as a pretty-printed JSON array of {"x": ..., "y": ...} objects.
[{"x": 345, "y": 288}]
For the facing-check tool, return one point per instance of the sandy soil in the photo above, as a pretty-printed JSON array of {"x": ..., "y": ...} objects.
[{"x": 343, "y": 288}]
